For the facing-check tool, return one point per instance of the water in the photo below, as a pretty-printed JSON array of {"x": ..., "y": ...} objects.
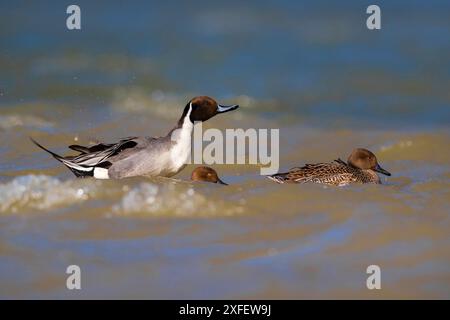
[{"x": 311, "y": 69}]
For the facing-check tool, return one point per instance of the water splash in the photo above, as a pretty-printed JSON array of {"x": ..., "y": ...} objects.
[
  {"x": 172, "y": 200},
  {"x": 40, "y": 192},
  {"x": 8, "y": 122}
]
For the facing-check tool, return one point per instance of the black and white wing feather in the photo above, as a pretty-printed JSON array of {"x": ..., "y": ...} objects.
[{"x": 84, "y": 165}]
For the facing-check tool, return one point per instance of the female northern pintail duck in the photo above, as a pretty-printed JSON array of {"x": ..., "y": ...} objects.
[
  {"x": 143, "y": 156},
  {"x": 361, "y": 167},
  {"x": 206, "y": 174}
]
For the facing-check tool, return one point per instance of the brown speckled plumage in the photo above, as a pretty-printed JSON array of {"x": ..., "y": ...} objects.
[
  {"x": 327, "y": 173},
  {"x": 361, "y": 168}
]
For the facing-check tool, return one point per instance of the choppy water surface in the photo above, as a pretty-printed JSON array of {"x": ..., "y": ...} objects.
[{"x": 312, "y": 70}]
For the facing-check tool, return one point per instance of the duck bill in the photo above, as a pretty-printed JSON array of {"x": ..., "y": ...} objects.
[
  {"x": 221, "y": 182},
  {"x": 382, "y": 171},
  {"x": 223, "y": 109}
]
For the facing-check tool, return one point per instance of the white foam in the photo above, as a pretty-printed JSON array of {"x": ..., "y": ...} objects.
[
  {"x": 171, "y": 200},
  {"x": 135, "y": 100},
  {"x": 30, "y": 193},
  {"x": 12, "y": 121},
  {"x": 41, "y": 192}
]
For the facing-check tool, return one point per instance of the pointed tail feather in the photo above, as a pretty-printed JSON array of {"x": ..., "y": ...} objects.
[
  {"x": 76, "y": 169},
  {"x": 56, "y": 156}
]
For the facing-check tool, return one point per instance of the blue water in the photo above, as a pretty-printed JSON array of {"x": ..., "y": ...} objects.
[
  {"x": 317, "y": 58},
  {"x": 313, "y": 70}
]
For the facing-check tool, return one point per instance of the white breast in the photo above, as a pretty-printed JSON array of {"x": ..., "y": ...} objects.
[{"x": 181, "y": 150}]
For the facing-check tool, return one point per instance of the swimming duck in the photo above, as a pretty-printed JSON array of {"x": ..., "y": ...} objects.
[
  {"x": 206, "y": 174},
  {"x": 361, "y": 167},
  {"x": 143, "y": 156}
]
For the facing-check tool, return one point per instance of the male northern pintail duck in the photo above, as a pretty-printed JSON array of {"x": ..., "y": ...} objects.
[
  {"x": 361, "y": 167},
  {"x": 143, "y": 156},
  {"x": 206, "y": 174}
]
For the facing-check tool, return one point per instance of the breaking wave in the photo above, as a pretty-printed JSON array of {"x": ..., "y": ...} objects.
[
  {"x": 172, "y": 200},
  {"x": 125, "y": 198},
  {"x": 41, "y": 192},
  {"x": 12, "y": 121},
  {"x": 167, "y": 105}
]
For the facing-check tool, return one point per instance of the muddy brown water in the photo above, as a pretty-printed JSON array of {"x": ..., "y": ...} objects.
[{"x": 331, "y": 88}]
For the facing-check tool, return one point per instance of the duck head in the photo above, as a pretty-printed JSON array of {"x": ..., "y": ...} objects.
[
  {"x": 203, "y": 108},
  {"x": 365, "y": 160},
  {"x": 206, "y": 174}
]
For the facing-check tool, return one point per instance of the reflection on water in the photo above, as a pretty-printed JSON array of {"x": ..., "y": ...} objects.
[{"x": 311, "y": 69}]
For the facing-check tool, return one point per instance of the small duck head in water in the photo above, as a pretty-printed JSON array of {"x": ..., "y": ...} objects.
[{"x": 206, "y": 174}]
